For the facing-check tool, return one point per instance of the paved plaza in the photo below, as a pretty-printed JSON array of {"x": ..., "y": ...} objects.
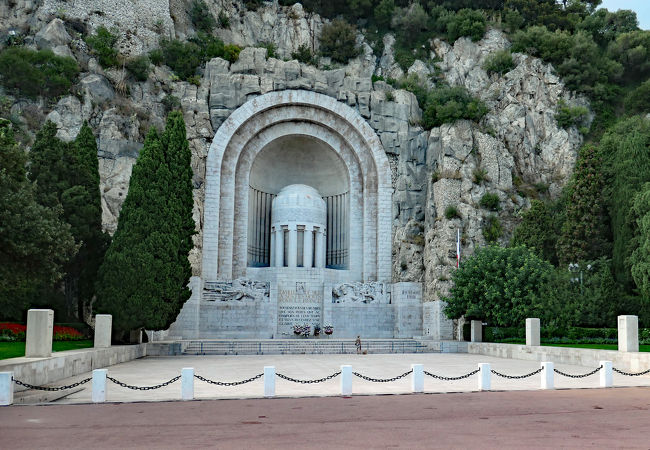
[{"x": 154, "y": 370}]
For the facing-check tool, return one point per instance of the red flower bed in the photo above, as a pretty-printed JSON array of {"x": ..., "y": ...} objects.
[{"x": 17, "y": 331}]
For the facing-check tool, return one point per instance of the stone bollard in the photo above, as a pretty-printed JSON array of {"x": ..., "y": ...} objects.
[
  {"x": 99, "y": 386},
  {"x": 187, "y": 383},
  {"x": 269, "y": 381},
  {"x": 346, "y": 380},
  {"x": 103, "y": 330},
  {"x": 484, "y": 377},
  {"x": 417, "y": 377},
  {"x": 476, "y": 328},
  {"x": 548, "y": 375},
  {"x": 606, "y": 374},
  {"x": 532, "y": 331},
  {"x": 6, "y": 388},
  {"x": 40, "y": 328},
  {"x": 628, "y": 334}
]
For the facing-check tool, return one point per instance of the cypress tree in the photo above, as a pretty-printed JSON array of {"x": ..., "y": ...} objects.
[{"x": 143, "y": 279}]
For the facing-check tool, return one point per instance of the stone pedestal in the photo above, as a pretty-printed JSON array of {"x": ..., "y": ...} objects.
[
  {"x": 477, "y": 331},
  {"x": 103, "y": 329},
  {"x": 407, "y": 298},
  {"x": 532, "y": 332},
  {"x": 40, "y": 328},
  {"x": 628, "y": 334},
  {"x": 434, "y": 321}
]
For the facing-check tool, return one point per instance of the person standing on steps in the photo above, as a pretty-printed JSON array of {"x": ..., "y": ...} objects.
[{"x": 357, "y": 343}]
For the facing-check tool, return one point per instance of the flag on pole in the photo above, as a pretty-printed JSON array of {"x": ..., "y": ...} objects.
[{"x": 458, "y": 249}]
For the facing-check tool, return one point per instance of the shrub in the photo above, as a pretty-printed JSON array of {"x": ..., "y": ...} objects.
[
  {"x": 338, "y": 40},
  {"x": 490, "y": 201},
  {"x": 638, "y": 100},
  {"x": 569, "y": 116},
  {"x": 224, "y": 20},
  {"x": 451, "y": 212},
  {"x": 466, "y": 22},
  {"x": 479, "y": 175},
  {"x": 448, "y": 104},
  {"x": 492, "y": 229},
  {"x": 33, "y": 73},
  {"x": 184, "y": 57},
  {"x": 231, "y": 52},
  {"x": 270, "y": 47},
  {"x": 102, "y": 45},
  {"x": 304, "y": 55},
  {"x": 201, "y": 17},
  {"x": 499, "y": 62},
  {"x": 170, "y": 103},
  {"x": 139, "y": 67}
]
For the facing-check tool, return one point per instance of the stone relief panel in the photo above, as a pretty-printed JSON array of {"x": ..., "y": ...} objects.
[
  {"x": 241, "y": 289},
  {"x": 371, "y": 292}
]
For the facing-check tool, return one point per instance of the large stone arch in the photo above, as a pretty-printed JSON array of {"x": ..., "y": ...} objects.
[{"x": 259, "y": 121}]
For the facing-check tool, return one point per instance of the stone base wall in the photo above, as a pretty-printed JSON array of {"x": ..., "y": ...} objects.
[{"x": 434, "y": 322}]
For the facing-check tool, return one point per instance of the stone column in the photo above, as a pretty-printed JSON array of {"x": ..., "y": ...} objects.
[
  {"x": 103, "y": 329},
  {"x": 279, "y": 247},
  {"x": 40, "y": 328},
  {"x": 292, "y": 253},
  {"x": 628, "y": 333},
  {"x": 532, "y": 332},
  {"x": 308, "y": 247},
  {"x": 272, "y": 249},
  {"x": 477, "y": 331},
  {"x": 320, "y": 248}
]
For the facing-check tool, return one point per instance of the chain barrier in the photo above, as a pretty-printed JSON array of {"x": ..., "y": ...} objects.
[
  {"x": 226, "y": 383},
  {"x": 630, "y": 374},
  {"x": 319, "y": 380},
  {"x": 45, "y": 388},
  {"x": 382, "y": 380},
  {"x": 517, "y": 377},
  {"x": 578, "y": 376},
  {"x": 144, "y": 388},
  {"x": 440, "y": 377}
]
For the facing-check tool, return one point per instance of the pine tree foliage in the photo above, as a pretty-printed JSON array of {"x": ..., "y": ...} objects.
[
  {"x": 639, "y": 259},
  {"x": 35, "y": 242},
  {"x": 143, "y": 279}
]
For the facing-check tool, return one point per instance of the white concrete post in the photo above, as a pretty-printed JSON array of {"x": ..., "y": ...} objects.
[
  {"x": 606, "y": 374},
  {"x": 308, "y": 247},
  {"x": 532, "y": 332},
  {"x": 279, "y": 247},
  {"x": 103, "y": 330},
  {"x": 548, "y": 375},
  {"x": 346, "y": 380},
  {"x": 292, "y": 253},
  {"x": 6, "y": 388},
  {"x": 40, "y": 328},
  {"x": 99, "y": 386},
  {"x": 417, "y": 377},
  {"x": 628, "y": 334},
  {"x": 269, "y": 381},
  {"x": 476, "y": 331},
  {"x": 187, "y": 383},
  {"x": 484, "y": 377}
]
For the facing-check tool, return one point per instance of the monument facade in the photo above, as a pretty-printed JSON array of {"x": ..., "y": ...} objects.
[{"x": 297, "y": 227}]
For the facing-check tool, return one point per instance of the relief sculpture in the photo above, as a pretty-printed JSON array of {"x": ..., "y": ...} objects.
[
  {"x": 241, "y": 289},
  {"x": 371, "y": 292}
]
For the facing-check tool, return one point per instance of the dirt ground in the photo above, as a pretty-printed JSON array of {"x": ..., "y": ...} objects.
[{"x": 596, "y": 418}]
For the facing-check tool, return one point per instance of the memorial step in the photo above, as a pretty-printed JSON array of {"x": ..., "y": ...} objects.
[{"x": 299, "y": 346}]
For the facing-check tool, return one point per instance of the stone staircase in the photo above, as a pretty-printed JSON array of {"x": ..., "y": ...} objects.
[{"x": 300, "y": 346}]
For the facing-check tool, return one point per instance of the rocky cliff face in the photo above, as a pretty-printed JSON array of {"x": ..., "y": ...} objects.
[{"x": 517, "y": 148}]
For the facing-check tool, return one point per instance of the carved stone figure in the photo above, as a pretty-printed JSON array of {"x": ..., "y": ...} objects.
[
  {"x": 241, "y": 289},
  {"x": 371, "y": 292}
]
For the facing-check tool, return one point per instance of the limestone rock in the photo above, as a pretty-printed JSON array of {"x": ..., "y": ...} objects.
[
  {"x": 68, "y": 117},
  {"x": 97, "y": 88},
  {"x": 52, "y": 35}
]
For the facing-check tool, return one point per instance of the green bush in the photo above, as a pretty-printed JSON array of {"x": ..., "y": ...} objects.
[
  {"x": 201, "y": 17},
  {"x": 270, "y": 47},
  {"x": 304, "y": 55},
  {"x": 499, "y": 62},
  {"x": 185, "y": 57},
  {"x": 102, "y": 45},
  {"x": 170, "y": 103},
  {"x": 492, "y": 229},
  {"x": 224, "y": 20},
  {"x": 448, "y": 104},
  {"x": 33, "y": 73},
  {"x": 230, "y": 52},
  {"x": 479, "y": 175},
  {"x": 139, "y": 67},
  {"x": 338, "y": 40},
  {"x": 451, "y": 212},
  {"x": 638, "y": 100},
  {"x": 466, "y": 22},
  {"x": 569, "y": 116},
  {"x": 490, "y": 201}
]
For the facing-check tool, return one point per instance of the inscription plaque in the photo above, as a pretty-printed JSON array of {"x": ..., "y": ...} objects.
[{"x": 298, "y": 304}]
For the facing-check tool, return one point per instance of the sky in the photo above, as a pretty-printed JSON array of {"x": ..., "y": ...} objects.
[{"x": 641, "y": 7}]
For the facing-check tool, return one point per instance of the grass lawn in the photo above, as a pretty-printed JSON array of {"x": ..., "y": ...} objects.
[
  {"x": 642, "y": 348},
  {"x": 16, "y": 349}
]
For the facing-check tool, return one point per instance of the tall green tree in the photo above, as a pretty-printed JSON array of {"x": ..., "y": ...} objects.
[
  {"x": 35, "y": 241},
  {"x": 143, "y": 279},
  {"x": 639, "y": 259}
]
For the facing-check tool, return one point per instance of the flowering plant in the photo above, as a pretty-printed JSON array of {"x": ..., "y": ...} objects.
[
  {"x": 16, "y": 332},
  {"x": 328, "y": 329}
]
